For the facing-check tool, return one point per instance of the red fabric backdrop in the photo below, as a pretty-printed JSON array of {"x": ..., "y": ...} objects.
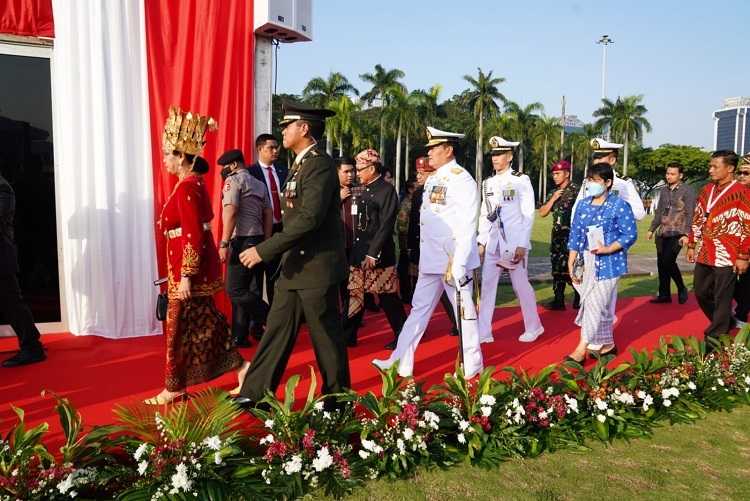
[
  {"x": 200, "y": 57},
  {"x": 27, "y": 18}
]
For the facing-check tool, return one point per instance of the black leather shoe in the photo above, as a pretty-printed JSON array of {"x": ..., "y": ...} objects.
[
  {"x": 555, "y": 306},
  {"x": 454, "y": 332},
  {"x": 392, "y": 345},
  {"x": 25, "y": 358},
  {"x": 247, "y": 404},
  {"x": 660, "y": 300},
  {"x": 682, "y": 295},
  {"x": 241, "y": 343},
  {"x": 577, "y": 302},
  {"x": 256, "y": 331}
]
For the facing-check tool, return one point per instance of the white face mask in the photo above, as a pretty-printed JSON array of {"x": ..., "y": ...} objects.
[{"x": 594, "y": 189}]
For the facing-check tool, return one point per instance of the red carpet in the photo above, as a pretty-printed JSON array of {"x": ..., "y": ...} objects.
[{"x": 96, "y": 373}]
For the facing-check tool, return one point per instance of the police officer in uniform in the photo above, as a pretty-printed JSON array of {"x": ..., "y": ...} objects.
[
  {"x": 313, "y": 264},
  {"x": 560, "y": 205},
  {"x": 12, "y": 307},
  {"x": 247, "y": 220},
  {"x": 507, "y": 215},
  {"x": 448, "y": 255}
]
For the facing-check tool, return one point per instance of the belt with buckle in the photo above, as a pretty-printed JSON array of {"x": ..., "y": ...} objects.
[{"x": 177, "y": 232}]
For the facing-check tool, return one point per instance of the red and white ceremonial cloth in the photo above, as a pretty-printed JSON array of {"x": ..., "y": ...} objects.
[{"x": 116, "y": 69}]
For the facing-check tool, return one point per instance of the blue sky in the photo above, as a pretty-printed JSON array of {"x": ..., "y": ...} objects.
[{"x": 684, "y": 57}]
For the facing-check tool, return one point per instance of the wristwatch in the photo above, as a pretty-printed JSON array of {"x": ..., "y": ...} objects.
[{"x": 223, "y": 244}]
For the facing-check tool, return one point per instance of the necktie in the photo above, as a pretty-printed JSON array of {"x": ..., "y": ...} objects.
[{"x": 274, "y": 189}]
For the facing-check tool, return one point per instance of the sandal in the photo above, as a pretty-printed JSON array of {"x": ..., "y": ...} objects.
[
  {"x": 571, "y": 359},
  {"x": 159, "y": 400}
]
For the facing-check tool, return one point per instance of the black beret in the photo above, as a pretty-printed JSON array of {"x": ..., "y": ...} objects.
[{"x": 231, "y": 156}]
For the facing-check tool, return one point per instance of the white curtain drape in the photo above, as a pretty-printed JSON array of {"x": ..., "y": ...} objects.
[{"x": 103, "y": 167}]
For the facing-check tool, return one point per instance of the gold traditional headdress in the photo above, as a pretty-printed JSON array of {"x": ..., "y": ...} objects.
[{"x": 185, "y": 131}]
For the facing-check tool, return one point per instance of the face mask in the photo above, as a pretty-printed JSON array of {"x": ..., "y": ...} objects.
[{"x": 594, "y": 189}]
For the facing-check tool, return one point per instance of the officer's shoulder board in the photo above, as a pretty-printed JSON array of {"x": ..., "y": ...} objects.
[
  {"x": 625, "y": 178},
  {"x": 517, "y": 174},
  {"x": 456, "y": 170}
]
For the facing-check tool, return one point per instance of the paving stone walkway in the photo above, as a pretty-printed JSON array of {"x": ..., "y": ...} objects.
[{"x": 539, "y": 267}]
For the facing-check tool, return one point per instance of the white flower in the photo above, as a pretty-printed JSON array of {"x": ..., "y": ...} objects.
[
  {"x": 667, "y": 403},
  {"x": 486, "y": 411},
  {"x": 720, "y": 381},
  {"x": 73, "y": 494},
  {"x": 213, "y": 443},
  {"x": 217, "y": 457},
  {"x": 668, "y": 393},
  {"x": 364, "y": 454},
  {"x": 400, "y": 445},
  {"x": 691, "y": 385},
  {"x": 461, "y": 438},
  {"x": 318, "y": 406},
  {"x": 610, "y": 412},
  {"x": 624, "y": 398},
  {"x": 326, "y": 415},
  {"x": 463, "y": 424},
  {"x": 600, "y": 404},
  {"x": 140, "y": 451},
  {"x": 294, "y": 465},
  {"x": 408, "y": 433},
  {"x": 268, "y": 423},
  {"x": 180, "y": 480},
  {"x": 66, "y": 484},
  {"x": 601, "y": 418},
  {"x": 713, "y": 388},
  {"x": 268, "y": 439},
  {"x": 323, "y": 460},
  {"x": 747, "y": 380},
  {"x": 487, "y": 400},
  {"x": 641, "y": 394},
  {"x": 142, "y": 467},
  {"x": 571, "y": 403},
  {"x": 543, "y": 415},
  {"x": 431, "y": 419}
]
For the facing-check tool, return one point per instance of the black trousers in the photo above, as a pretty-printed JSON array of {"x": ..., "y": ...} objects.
[
  {"x": 271, "y": 269},
  {"x": 714, "y": 288},
  {"x": 742, "y": 296},
  {"x": 394, "y": 312},
  {"x": 404, "y": 280},
  {"x": 244, "y": 287},
  {"x": 667, "y": 251},
  {"x": 18, "y": 314},
  {"x": 321, "y": 310}
]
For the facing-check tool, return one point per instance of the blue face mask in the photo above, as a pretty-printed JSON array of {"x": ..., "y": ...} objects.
[{"x": 594, "y": 189}]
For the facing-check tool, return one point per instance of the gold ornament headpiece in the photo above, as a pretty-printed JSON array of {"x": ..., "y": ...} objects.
[{"x": 185, "y": 131}]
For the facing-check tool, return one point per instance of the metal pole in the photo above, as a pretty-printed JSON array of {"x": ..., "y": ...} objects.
[{"x": 562, "y": 130}]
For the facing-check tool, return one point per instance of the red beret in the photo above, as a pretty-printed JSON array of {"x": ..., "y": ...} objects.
[
  {"x": 561, "y": 165},
  {"x": 423, "y": 165}
]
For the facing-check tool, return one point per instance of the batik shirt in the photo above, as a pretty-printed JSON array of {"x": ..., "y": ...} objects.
[{"x": 616, "y": 219}]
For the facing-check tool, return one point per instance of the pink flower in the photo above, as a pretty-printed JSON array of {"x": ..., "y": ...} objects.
[{"x": 308, "y": 441}]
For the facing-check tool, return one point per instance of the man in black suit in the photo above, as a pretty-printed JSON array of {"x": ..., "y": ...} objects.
[
  {"x": 12, "y": 307},
  {"x": 274, "y": 177}
]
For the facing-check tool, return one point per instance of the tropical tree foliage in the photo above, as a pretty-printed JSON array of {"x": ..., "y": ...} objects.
[
  {"x": 626, "y": 121},
  {"x": 482, "y": 100}
]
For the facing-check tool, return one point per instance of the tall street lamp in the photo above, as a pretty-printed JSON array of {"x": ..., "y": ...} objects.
[{"x": 604, "y": 41}]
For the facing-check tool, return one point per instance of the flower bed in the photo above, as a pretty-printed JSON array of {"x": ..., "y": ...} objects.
[{"x": 199, "y": 449}]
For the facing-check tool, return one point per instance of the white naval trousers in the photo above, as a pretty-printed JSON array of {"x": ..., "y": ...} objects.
[
  {"x": 427, "y": 293},
  {"x": 519, "y": 278}
]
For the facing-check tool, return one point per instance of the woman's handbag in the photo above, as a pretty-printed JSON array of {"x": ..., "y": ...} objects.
[
  {"x": 578, "y": 268},
  {"x": 162, "y": 301}
]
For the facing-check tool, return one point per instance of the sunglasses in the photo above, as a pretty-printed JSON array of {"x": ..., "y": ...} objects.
[{"x": 743, "y": 173}]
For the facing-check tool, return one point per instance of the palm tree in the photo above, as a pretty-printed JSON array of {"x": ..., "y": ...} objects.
[
  {"x": 582, "y": 145},
  {"x": 481, "y": 100},
  {"x": 322, "y": 92},
  {"x": 545, "y": 129},
  {"x": 522, "y": 120},
  {"x": 625, "y": 118},
  {"x": 341, "y": 124},
  {"x": 424, "y": 106},
  {"x": 384, "y": 83}
]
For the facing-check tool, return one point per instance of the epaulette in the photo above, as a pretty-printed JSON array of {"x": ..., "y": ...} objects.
[
  {"x": 517, "y": 174},
  {"x": 456, "y": 170},
  {"x": 625, "y": 178}
]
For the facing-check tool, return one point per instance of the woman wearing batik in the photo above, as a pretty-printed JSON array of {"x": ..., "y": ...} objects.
[
  {"x": 602, "y": 231},
  {"x": 199, "y": 346}
]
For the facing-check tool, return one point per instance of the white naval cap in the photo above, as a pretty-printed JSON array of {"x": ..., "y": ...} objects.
[
  {"x": 437, "y": 136},
  {"x": 602, "y": 147},
  {"x": 500, "y": 145}
]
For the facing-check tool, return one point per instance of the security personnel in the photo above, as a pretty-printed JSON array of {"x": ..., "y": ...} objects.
[
  {"x": 448, "y": 254},
  {"x": 247, "y": 219},
  {"x": 313, "y": 263},
  {"x": 604, "y": 151},
  {"x": 12, "y": 307},
  {"x": 560, "y": 205},
  {"x": 507, "y": 215},
  {"x": 372, "y": 260}
]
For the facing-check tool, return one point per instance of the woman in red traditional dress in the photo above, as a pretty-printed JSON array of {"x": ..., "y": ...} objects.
[{"x": 199, "y": 346}]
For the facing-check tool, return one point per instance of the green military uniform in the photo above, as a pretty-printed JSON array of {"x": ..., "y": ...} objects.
[
  {"x": 562, "y": 211},
  {"x": 313, "y": 265}
]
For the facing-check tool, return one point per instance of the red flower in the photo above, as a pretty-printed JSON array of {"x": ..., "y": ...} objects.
[
  {"x": 308, "y": 441},
  {"x": 276, "y": 449},
  {"x": 554, "y": 377}
]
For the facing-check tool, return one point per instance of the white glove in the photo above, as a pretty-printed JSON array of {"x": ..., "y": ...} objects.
[{"x": 458, "y": 272}]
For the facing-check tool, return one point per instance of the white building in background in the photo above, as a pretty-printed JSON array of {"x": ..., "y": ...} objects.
[{"x": 731, "y": 127}]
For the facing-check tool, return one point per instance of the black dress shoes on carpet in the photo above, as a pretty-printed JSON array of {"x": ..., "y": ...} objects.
[
  {"x": 682, "y": 295},
  {"x": 25, "y": 358},
  {"x": 660, "y": 300}
]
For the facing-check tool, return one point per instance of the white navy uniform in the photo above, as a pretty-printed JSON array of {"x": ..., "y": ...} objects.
[
  {"x": 509, "y": 198},
  {"x": 623, "y": 188},
  {"x": 448, "y": 219}
]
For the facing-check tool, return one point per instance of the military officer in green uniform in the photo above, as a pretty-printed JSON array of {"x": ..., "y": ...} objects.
[
  {"x": 560, "y": 205},
  {"x": 313, "y": 264}
]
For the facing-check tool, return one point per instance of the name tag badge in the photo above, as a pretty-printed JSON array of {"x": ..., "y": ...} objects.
[{"x": 355, "y": 211}]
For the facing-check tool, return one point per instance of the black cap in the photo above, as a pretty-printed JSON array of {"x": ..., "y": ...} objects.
[
  {"x": 296, "y": 111},
  {"x": 231, "y": 156}
]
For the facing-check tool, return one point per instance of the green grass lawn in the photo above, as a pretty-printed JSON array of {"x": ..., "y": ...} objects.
[
  {"x": 706, "y": 460},
  {"x": 540, "y": 235},
  {"x": 629, "y": 286}
]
